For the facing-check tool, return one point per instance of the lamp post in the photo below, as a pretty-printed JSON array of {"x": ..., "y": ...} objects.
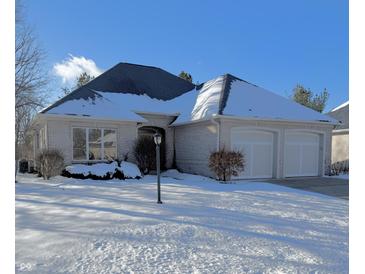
[{"x": 157, "y": 138}]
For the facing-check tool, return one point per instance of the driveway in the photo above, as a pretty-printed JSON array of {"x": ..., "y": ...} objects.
[{"x": 325, "y": 185}]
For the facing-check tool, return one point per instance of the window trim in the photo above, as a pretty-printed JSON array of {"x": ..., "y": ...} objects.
[{"x": 87, "y": 143}]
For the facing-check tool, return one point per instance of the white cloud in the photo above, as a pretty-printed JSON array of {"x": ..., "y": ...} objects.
[{"x": 72, "y": 67}]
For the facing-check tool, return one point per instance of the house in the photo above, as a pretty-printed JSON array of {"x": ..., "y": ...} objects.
[
  {"x": 101, "y": 121},
  {"x": 340, "y": 135}
]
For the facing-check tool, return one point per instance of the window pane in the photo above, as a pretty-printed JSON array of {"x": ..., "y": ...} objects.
[
  {"x": 79, "y": 143},
  {"x": 110, "y": 144},
  {"x": 94, "y": 144}
]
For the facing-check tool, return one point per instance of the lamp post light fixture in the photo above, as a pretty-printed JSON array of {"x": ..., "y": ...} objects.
[{"x": 158, "y": 138}]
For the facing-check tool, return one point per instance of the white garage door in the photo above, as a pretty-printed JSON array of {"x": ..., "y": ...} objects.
[
  {"x": 257, "y": 147},
  {"x": 301, "y": 154}
]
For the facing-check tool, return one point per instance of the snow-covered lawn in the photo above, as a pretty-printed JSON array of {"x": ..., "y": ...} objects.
[{"x": 83, "y": 226}]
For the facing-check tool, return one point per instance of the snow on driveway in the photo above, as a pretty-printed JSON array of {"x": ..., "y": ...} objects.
[{"x": 84, "y": 226}]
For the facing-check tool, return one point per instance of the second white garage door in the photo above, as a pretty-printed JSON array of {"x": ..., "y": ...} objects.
[
  {"x": 257, "y": 147},
  {"x": 301, "y": 154}
]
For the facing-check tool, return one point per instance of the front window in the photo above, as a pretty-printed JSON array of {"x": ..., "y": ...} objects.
[
  {"x": 79, "y": 143},
  {"x": 94, "y": 144},
  {"x": 110, "y": 144}
]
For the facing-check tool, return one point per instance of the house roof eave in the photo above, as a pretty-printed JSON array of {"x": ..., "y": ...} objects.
[{"x": 69, "y": 116}]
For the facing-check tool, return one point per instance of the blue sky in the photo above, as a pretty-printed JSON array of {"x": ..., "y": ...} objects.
[{"x": 274, "y": 44}]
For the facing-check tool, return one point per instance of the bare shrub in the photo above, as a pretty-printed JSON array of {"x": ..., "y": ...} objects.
[
  {"x": 226, "y": 163},
  {"x": 338, "y": 168},
  {"x": 50, "y": 163},
  {"x": 145, "y": 153}
]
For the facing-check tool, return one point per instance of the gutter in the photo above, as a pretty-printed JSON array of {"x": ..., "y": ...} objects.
[
  {"x": 190, "y": 122},
  {"x": 345, "y": 130},
  {"x": 277, "y": 120},
  {"x": 156, "y": 113}
]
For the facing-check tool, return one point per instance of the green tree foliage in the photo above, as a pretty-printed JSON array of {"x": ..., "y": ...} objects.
[
  {"x": 186, "y": 76},
  {"x": 307, "y": 98},
  {"x": 81, "y": 80}
]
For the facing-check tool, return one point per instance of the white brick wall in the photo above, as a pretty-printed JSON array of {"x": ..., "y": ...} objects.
[{"x": 193, "y": 145}]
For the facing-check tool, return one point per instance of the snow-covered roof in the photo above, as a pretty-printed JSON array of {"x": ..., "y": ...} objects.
[
  {"x": 340, "y": 106},
  {"x": 230, "y": 96},
  {"x": 125, "y": 106},
  {"x": 225, "y": 95},
  {"x": 247, "y": 100}
]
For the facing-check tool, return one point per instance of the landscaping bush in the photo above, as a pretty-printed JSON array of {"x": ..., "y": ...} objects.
[
  {"x": 118, "y": 175},
  {"x": 226, "y": 163},
  {"x": 338, "y": 168},
  {"x": 66, "y": 173},
  {"x": 144, "y": 151},
  {"x": 103, "y": 171},
  {"x": 50, "y": 163}
]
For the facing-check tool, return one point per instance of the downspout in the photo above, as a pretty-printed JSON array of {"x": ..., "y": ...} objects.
[
  {"x": 174, "y": 164},
  {"x": 46, "y": 134},
  {"x": 138, "y": 125},
  {"x": 34, "y": 146},
  {"x": 214, "y": 121}
]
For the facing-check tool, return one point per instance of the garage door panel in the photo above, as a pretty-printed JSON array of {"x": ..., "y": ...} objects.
[
  {"x": 301, "y": 154},
  {"x": 261, "y": 163},
  {"x": 252, "y": 137},
  {"x": 257, "y": 148},
  {"x": 292, "y": 152},
  {"x": 310, "y": 160},
  {"x": 246, "y": 150},
  {"x": 302, "y": 138}
]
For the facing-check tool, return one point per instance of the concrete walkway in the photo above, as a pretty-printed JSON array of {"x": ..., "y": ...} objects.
[{"x": 325, "y": 185}]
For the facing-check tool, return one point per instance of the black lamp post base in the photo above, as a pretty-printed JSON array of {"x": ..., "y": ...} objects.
[{"x": 159, "y": 202}]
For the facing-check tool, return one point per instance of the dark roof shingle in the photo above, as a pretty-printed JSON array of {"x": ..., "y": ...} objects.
[{"x": 134, "y": 79}]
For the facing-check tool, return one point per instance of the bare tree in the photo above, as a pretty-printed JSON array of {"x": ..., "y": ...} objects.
[{"x": 30, "y": 78}]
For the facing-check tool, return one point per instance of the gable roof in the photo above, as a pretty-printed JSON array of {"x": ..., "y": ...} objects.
[
  {"x": 133, "y": 79},
  {"x": 127, "y": 89}
]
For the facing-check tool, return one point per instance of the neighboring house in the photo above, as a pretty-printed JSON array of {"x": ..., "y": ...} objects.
[
  {"x": 340, "y": 135},
  {"x": 101, "y": 121}
]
